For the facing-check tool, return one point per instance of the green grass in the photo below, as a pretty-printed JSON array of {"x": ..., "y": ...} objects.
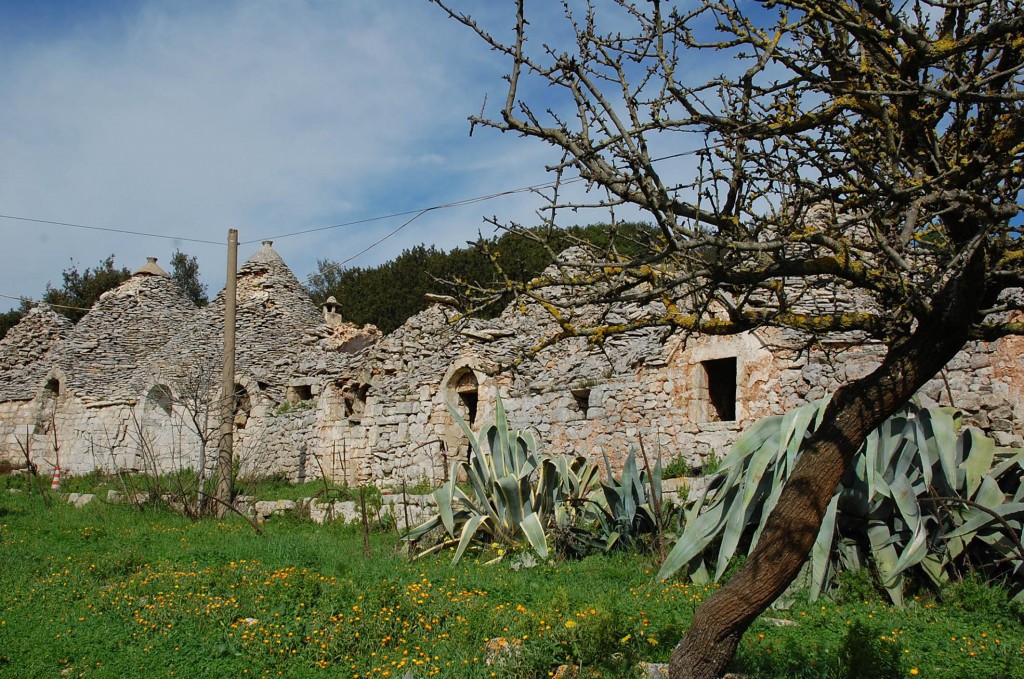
[{"x": 109, "y": 591}]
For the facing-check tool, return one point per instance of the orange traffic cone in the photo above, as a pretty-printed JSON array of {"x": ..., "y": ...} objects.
[{"x": 55, "y": 483}]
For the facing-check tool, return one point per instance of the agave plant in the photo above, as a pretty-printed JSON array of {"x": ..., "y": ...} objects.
[
  {"x": 516, "y": 493},
  {"x": 924, "y": 493},
  {"x": 627, "y": 508}
]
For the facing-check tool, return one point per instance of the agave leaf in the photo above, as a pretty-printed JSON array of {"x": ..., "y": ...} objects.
[
  {"x": 587, "y": 475},
  {"x": 628, "y": 485},
  {"x": 750, "y": 441},
  {"x": 821, "y": 552},
  {"x": 916, "y": 547},
  {"x": 977, "y": 452},
  {"x": 895, "y": 430},
  {"x": 613, "y": 499},
  {"x": 468, "y": 531},
  {"x": 872, "y": 461},
  {"x": 473, "y": 442},
  {"x": 908, "y": 451},
  {"x": 700, "y": 574},
  {"x": 756, "y": 466},
  {"x": 935, "y": 568},
  {"x": 1004, "y": 465},
  {"x": 419, "y": 531},
  {"x": 443, "y": 499},
  {"x": 547, "y": 494},
  {"x": 534, "y": 532},
  {"x": 885, "y": 556},
  {"x": 1006, "y": 511},
  {"x": 501, "y": 426},
  {"x": 696, "y": 536},
  {"x": 795, "y": 426},
  {"x": 515, "y": 493},
  {"x": 767, "y": 487},
  {"x": 944, "y": 429},
  {"x": 989, "y": 493}
]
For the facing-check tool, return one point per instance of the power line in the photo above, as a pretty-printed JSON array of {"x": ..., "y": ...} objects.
[
  {"x": 419, "y": 211},
  {"x": 39, "y": 301},
  {"x": 459, "y": 203},
  {"x": 111, "y": 230}
]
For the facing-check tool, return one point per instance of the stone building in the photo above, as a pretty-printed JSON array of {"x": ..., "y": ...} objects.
[{"x": 135, "y": 385}]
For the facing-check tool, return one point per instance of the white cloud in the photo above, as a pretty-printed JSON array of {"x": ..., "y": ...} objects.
[{"x": 189, "y": 118}]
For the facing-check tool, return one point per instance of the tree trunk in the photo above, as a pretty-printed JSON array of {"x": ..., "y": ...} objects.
[{"x": 709, "y": 645}]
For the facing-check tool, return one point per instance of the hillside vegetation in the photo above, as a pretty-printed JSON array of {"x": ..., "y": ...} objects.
[{"x": 388, "y": 294}]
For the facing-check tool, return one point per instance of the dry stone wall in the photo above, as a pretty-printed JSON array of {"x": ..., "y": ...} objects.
[{"x": 135, "y": 385}]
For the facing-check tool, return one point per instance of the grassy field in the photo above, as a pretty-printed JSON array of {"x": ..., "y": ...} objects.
[{"x": 109, "y": 591}]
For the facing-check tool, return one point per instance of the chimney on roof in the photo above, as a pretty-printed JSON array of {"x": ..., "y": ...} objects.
[
  {"x": 267, "y": 243},
  {"x": 332, "y": 312},
  {"x": 151, "y": 268}
]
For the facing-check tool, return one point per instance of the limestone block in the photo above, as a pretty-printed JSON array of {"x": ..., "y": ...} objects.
[
  {"x": 267, "y": 508},
  {"x": 1008, "y": 439},
  {"x": 79, "y": 500}
]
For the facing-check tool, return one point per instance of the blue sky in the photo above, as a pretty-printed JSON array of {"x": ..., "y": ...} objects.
[{"x": 188, "y": 118}]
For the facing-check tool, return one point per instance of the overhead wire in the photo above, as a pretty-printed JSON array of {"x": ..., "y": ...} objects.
[
  {"x": 111, "y": 230},
  {"x": 417, "y": 213},
  {"x": 35, "y": 302}
]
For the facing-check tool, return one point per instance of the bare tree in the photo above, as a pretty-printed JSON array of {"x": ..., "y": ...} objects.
[
  {"x": 867, "y": 146},
  {"x": 195, "y": 387}
]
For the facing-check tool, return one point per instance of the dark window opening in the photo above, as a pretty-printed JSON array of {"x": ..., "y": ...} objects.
[
  {"x": 355, "y": 401},
  {"x": 47, "y": 406},
  {"x": 466, "y": 387},
  {"x": 298, "y": 393},
  {"x": 53, "y": 386},
  {"x": 721, "y": 376},
  {"x": 470, "y": 399},
  {"x": 582, "y": 399}
]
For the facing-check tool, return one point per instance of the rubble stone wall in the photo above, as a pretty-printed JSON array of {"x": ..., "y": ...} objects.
[{"x": 324, "y": 397}]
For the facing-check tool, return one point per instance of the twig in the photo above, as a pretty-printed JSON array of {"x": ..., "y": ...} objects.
[{"x": 1010, "y": 532}]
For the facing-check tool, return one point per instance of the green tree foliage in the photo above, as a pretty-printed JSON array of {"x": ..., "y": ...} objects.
[
  {"x": 388, "y": 294},
  {"x": 185, "y": 272},
  {"x": 80, "y": 289},
  {"x": 11, "y": 318}
]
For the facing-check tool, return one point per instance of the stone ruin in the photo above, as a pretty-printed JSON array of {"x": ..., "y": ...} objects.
[{"x": 135, "y": 384}]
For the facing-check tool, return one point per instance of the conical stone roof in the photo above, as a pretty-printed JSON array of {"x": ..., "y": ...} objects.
[
  {"x": 103, "y": 352},
  {"x": 273, "y": 315},
  {"x": 25, "y": 352}
]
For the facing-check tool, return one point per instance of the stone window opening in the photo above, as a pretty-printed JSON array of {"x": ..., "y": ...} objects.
[
  {"x": 355, "y": 401},
  {"x": 47, "y": 406},
  {"x": 721, "y": 380},
  {"x": 53, "y": 387},
  {"x": 582, "y": 398},
  {"x": 297, "y": 393}
]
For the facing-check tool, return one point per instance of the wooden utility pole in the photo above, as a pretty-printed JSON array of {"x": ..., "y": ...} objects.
[{"x": 227, "y": 406}]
